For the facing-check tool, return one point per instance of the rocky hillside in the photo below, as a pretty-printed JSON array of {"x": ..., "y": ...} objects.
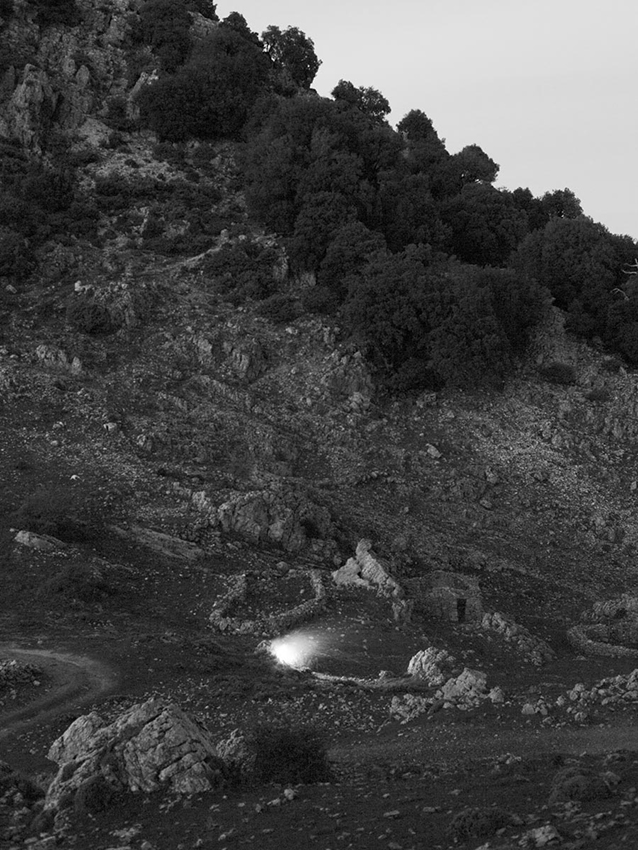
[{"x": 196, "y": 465}]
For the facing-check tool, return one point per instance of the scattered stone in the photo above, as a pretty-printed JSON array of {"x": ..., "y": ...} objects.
[{"x": 536, "y": 650}]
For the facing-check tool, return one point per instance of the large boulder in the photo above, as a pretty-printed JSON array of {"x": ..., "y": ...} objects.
[
  {"x": 466, "y": 690},
  {"x": 433, "y": 666},
  {"x": 151, "y": 746}
]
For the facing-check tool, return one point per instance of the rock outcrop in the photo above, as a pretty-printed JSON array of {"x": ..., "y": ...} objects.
[
  {"x": 367, "y": 570},
  {"x": 151, "y": 746},
  {"x": 287, "y": 518}
]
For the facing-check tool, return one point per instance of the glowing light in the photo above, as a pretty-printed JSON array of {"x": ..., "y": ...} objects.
[{"x": 295, "y": 649}]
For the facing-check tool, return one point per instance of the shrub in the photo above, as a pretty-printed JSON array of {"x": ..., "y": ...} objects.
[
  {"x": 211, "y": 96},
  {"x": 558, "y": 373},
  {"x": 164, "y": 27},
  {"x": 73, "y": 514},
  {"x": 244, "y": 269},
  {"x": 16, "y": 258},
  {"x": 321, "y": 300},
  {"x": 56, "y": 12},
  {"x": 82, "y": 582},
  {"x": 280, "y": 308},
  {"x": 478, "y": 823},
  {"x": 87, "y": 316},
  {"x": 598, "y": 394},
  {"x": 289, "y": 755}
]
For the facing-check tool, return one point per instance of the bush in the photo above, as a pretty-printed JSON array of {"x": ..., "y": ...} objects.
[
  {"x": 210, "y": 97},
  {"x": 280, "y": 308},
  {"x": 16, "y": 258},
  {"x": 478, "y": 823},
  {"x": 87, "y": 316},
  {"x": 289, "y": 755},
  {"x": 599, "y": 395},
  {"x": 243, "y": 269},
  {"x": 81, "y": 582},
  {"x": 164, "y": 27},
  {"x": 321, "y": 300},
  {"x": 558, "y": 373},
  {"x": 56, "y": 12},
  {"x": 72, "y": 514},
  {"x": 423, "y": 326}
]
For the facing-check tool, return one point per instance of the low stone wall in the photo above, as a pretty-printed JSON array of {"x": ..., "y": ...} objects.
[
  {"x": 267, "y": 626},
  {"x": 589, "y": 640}
]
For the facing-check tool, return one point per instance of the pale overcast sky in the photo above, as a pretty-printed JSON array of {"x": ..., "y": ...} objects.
[{"x": 546, "y": 87}]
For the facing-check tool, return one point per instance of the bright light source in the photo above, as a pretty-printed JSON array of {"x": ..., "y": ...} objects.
[{"x": 295, "y": 649}]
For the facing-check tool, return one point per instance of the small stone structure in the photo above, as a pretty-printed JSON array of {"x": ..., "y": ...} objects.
[{"x": 450, "y": 596}]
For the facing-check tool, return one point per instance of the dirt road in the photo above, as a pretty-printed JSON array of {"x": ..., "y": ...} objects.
[{"x": 76, "y": 681}]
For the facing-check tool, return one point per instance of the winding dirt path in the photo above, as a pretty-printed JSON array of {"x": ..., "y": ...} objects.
[{"x": 77, "y": 680}]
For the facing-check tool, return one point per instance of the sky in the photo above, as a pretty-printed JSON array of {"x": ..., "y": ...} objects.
[{"x": 546, "y": 87}]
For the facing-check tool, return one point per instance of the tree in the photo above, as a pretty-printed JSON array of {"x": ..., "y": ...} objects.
[
  {"x": 408, "y": 213},
  {"x": 211, "y": 97},
  {"x": 424, "y": 148},
  {"x": 485, "y": 224},
  {"x": 422, "y": 324},
  {"x": 165, "y": 28},
  {"x": 474, "y": 165},
  {"x": 369, "y": 101},
  {"x": 577, "y": 261},
  {"x": 292, "y": 54},
  {"x": 207, "y": 8},
  {"x": 561, "y": 203},
  {"x": 351, "y": 247},
  {"x": 320, "y": 216}
]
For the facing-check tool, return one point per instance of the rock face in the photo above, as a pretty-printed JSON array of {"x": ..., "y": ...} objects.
[
  {"x": 288, "y": 519},
  {"x": 151, "y": 746},
  {"x": 60, "y": 74},
  {"x": 366, "y": 570}
]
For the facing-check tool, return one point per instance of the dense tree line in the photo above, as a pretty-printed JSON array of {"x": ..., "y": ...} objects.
[{"x": 439, "y": 276}]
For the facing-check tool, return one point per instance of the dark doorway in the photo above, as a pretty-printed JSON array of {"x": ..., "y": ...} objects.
[{"x": 461, "y": 605}]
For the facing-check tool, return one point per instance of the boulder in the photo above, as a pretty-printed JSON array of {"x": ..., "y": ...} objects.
[
  {"x": 466, "y": 690},
  {"x": 429, "y": 664},
  {"x": 41, "y": 542},
  {"x": 150, "y": 746},
  {"x": 367, "y": 570},
  {"x": 162, "y": 544}
]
